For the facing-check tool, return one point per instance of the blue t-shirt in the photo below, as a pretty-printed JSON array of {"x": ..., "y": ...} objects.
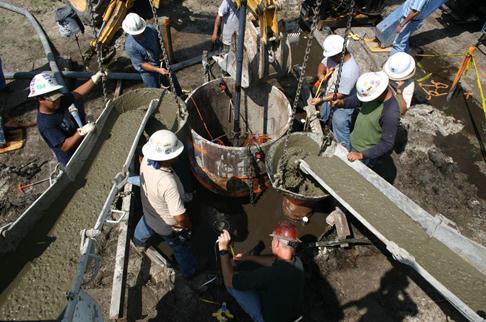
[
  {"x": 144, "y": 50},
  {"x": 57, "y": 127}
]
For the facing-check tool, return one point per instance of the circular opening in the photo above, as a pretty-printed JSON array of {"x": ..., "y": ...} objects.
[{"x": 264, "y": 114}]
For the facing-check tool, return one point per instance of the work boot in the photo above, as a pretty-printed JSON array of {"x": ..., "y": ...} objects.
[{"x": 140, "y": 250}]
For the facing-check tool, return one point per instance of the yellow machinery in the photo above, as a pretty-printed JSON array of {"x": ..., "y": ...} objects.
[
  {"x": 266, "y": 13},
  {"x": 112, "y": 12}
]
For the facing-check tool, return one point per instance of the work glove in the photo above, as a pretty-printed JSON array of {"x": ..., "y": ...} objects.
[
  {"x": 86, "y": 129},
  {"x": 96, "y": 77}
]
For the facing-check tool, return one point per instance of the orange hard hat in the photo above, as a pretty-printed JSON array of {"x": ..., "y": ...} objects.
[{"x": 287, "y": 231}]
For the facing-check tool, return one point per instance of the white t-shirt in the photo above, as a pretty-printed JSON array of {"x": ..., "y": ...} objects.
[
  {"x": 161, "y": 195},
  {"x": 230, "y": 23},
  {"x": 349, "y": 75},
  {"x": 407, "y": 92}
]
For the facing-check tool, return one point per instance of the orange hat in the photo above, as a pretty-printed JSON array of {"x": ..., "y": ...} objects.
[{"x": 285, "y": 230}]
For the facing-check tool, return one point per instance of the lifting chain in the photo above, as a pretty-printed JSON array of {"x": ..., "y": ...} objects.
[
  {"x": 182, "y": 111},
  {"x": 343, "y": 52},
  {"x": 251, "y": 176},
  {"x": 99, "y": 52},
  {"x": 315, "y": 18}
]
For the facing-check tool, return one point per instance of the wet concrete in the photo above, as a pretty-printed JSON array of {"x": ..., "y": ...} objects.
[
  {"x": 447, "y": 267},
  {"x": 40, "y": 272}
]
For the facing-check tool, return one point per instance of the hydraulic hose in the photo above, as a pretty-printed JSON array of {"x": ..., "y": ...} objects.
[{"x": 43, "y": 38}]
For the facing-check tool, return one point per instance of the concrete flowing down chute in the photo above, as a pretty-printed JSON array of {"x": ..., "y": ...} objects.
[{"x": 81, "y": 198}]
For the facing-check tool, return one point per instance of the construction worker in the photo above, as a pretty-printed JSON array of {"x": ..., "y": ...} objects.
[
  {"x": 162, "y": 195},
  {"x": 228, "y": 15},
  {"x": 327, "y": 72},
  {"x": 143, "y": 48},
  {"x": 374, "y": 132},
  {"x": 400, "y": 69},
  {"x": 270, "y": 288},
  {"x": 413, "y": 13},
  {"x": 56, "y": 124}
]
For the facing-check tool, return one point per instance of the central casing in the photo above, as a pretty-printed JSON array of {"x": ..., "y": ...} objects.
[{"x": 217, "y": 164}]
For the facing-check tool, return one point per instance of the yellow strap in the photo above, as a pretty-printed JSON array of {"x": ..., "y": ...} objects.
[
  {"x": 478, "y": 81},
  {"x": 437, "y": 55}
]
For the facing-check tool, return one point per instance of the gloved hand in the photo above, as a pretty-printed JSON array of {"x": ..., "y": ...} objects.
[
  {"x": 90, "y": 127},
  {"x": 96, "y": 77}
]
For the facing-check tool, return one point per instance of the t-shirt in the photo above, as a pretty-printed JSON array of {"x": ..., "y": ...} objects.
[
  {"x": 349, "y": 75},
  {"x": 407, "y": 91},
  {"x": 416, "y": 5},
  {"x": 144, "y": 50},
  {"x": 161, "y": 192},
  {"x": 280, "y": 288},
  {"x": 230, "y": 23},
  {"x": 57, "y": 127}
]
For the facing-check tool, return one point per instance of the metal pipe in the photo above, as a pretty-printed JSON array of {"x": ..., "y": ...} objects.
[
  {"x": 75, "y": 74},
  {"x": 239, "y": 67},
  {"x": 111, "y": 75},
  {"x": 43, "y": 38}
]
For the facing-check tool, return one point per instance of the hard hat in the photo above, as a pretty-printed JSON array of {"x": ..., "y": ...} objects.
[
  {"x": 133, "y": 24},
  {"x": 400, "y": 66},
  {"x": 371, "y": 85},
  {"x": 43, "y": 83},
  {"x": 286, "y": 231},
  {"x": 162, "y": 145},
  {"x": 332, "y": 45}
]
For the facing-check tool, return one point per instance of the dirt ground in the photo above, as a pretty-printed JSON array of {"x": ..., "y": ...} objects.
[{"x": 441, "y": 169}]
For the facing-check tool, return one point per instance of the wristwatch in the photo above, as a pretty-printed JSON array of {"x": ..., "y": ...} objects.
[{"x": 223, "y": 252}]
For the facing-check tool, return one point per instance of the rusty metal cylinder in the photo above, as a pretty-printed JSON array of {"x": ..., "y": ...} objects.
[{"x": 217, "y": 164}]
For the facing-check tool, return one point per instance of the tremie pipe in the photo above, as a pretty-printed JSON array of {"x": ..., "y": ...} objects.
[
  {"x": 45, "y": 42},
  {"x": 239, "y": 67}
]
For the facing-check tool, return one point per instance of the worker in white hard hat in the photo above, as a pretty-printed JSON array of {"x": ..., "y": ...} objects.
[
  {"x": 269, "y": 288},
  {"x": 227, "y": 18},
  {"x": 400, "y": 69},
  {"x": 143, "y": 48},
  {"x": 375, "y": 129},
  {"x": 327, "y": 73},
  {"x": 56, "y": 124},
  {"x": 161, "y": 190}
]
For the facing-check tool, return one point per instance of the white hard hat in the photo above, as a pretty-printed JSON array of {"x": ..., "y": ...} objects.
[
  {"x": 371, "y": 85},
  {"x": 43, "y": 83},
  {"x": 400, "y": 66},
  {"x": 133, "y": 24},
  {"x": 332, "y": 45},
  {"x": 163, "y": 145}
]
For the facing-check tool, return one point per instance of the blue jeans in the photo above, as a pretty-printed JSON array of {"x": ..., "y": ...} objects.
[
  {"x": 249, "y": 302},
  {"x": 341, "y": 122},
  {"x": 152, "y": 80},
  {"x": 401, "y": 44},
  {"x": 181, "y": 249}
]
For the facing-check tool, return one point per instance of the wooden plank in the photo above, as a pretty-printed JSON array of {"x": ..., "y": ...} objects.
[
  {"x": 118, "y": 88},
  {"x": 374, "y": 46},
  {"x": 117, "y": 290}
]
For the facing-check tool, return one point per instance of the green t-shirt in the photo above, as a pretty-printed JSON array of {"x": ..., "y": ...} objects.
[{"x": 280, "y": 287}]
